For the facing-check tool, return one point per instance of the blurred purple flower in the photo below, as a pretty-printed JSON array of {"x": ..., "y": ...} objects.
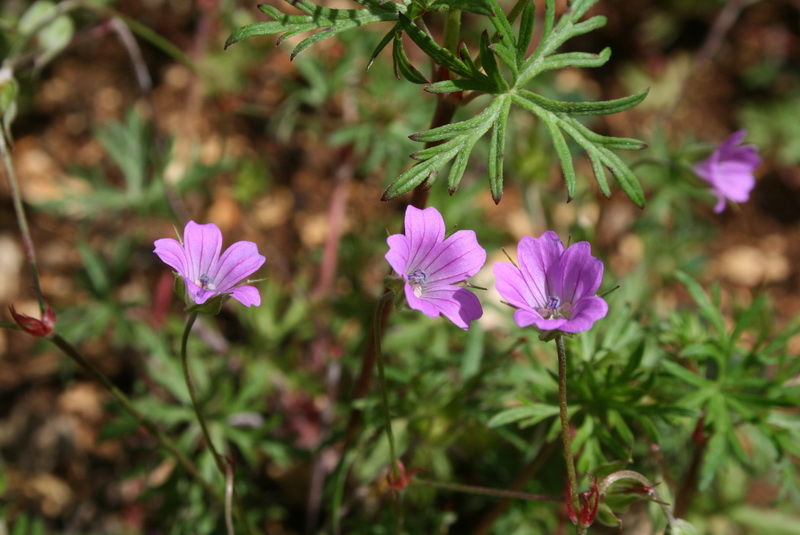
[
  {"x": 553, "y": 289},
  {"x": 431, "y": 266},
  {"x": 729, "y": 170},
  {"x": 207, "y": 273}
]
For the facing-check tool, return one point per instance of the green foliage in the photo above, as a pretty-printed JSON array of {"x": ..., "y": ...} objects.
[
  {"x": 501, "y": 69},
  {"x": 720, "y": 374}
]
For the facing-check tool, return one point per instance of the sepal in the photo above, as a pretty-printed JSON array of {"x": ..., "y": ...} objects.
[{"x": 212, "y": 307}]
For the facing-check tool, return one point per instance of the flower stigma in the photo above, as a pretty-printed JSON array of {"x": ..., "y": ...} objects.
[
  {"x": 206, "y": 282},
  {"x": 417, "y": 279}
]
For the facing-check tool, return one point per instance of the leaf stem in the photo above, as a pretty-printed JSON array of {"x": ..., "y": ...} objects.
[{"x": 566, "y": 436}]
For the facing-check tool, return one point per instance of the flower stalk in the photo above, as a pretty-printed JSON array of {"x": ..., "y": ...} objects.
[
  {"x": 386, "y": 298},
  {"x": 22, "y": 220},
  {"x": 238, "y": 510},
  {"x": 566, "y": 435}
]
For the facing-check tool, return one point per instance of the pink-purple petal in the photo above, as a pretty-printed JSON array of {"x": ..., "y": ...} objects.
[
  {"x": 578, "y": 273},
  {"x": 585, "y": 313},
  {"x": 424, "y": 230},
  {"x": 171, "y": 253},
  {"x": 205, "y": 273},
  {"x": 457, "y": 304},
  {"x": 202, "y": 244},
  {"x": 553, "y": 288},
  {"x": 512, "y": 286},
  {"x": 729, "y": 170},
  {"x": 247, "y": 295},
  {"x": 239, "y": 261},
  {"x": 456, "y": 259},
  {"x": 398, "y": 253},
  {"x": 430, "y": 265},
  {"x": 537, "y": 257}
]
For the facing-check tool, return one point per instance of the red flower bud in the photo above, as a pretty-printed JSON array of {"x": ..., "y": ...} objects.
[
  {"x": 590, "y": 503},
  {"x": 403, "y": 478},
  {"x": 39, "y": 328}
]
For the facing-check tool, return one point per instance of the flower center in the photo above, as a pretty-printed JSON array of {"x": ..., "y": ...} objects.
[
  {"x": 554, "y": 308},
  {"x": 206, "y": 282},
  {"x": 417, "y": 279}
]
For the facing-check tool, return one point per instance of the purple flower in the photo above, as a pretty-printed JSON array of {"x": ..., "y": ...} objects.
[
  {"x": 553, "y": 289},
  {"x": 431, "y": 265},
  {"x": 729, "y": 170},
  {"x": 207, "y": 273}
]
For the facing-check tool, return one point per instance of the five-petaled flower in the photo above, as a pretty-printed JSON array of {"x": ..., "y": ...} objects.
[
  {"x": 729, "y": 170},
  {"x": 553, "y": 289},
  {"x": 205, "y": 272},
  {"x": 431, "y": 266}
]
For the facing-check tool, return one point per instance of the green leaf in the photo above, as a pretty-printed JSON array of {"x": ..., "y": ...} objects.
[
  {"x": 453, "y": 139},
  {"x": 490, "y": 65},
  {"x": 707, "y": 309},
  {"x": 461, "y": 84},
  {"x": 479, "y": 7},
  {"x": 497, "y": 152},
  {"x": 440, "y": 55},
  {"x": 383, "y": 43},
  {"x": 562, "y": 150},
  {"x": 683, "y": 374},
  {"x": 525, "y": 34},
  {"x": 402, "y": 65},
  {"x": 531, "y": 414},
  {"x": 329, "y": 21},
  {"x": 507, "y": 56},
  {"x": 500, "y": 22},
  {"x": 594, "y": 144},
  {"x": 603, "y": 107}
]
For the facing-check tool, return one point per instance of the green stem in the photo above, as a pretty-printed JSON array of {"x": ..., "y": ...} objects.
[
  {"x": 485, "y": 491},
  {"x": 452, "y": 30},
  {"x": 566, "y": 436},
  {"x": 22, "y": 220},
  {"x": 239, "y": 509},
  {"x": 382, "y": 378},
  {"x": 190, "y": 385},
  {"x": 126, "y": 404}
]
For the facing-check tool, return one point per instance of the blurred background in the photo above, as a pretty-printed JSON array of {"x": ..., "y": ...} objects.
[{"x": 131, "y": 119}]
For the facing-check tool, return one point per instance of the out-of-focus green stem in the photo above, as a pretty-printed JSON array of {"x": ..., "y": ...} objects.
[
  {"x": 452, "y": 30},
  {"x": 22, "y": 220},
  {"x": 127, "y": 405},
  {"x": 238, "y": 510},
  {"x": 566, "y": 436},
  {"x": 499, "y": 493},
  {"x": 190, "y": 385},
  {"x": 387, "y": 297},
  {"x": 387, "y": 417}
]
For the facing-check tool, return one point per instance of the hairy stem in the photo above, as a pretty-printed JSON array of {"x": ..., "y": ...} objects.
[{"x": 566, "y": 435}]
